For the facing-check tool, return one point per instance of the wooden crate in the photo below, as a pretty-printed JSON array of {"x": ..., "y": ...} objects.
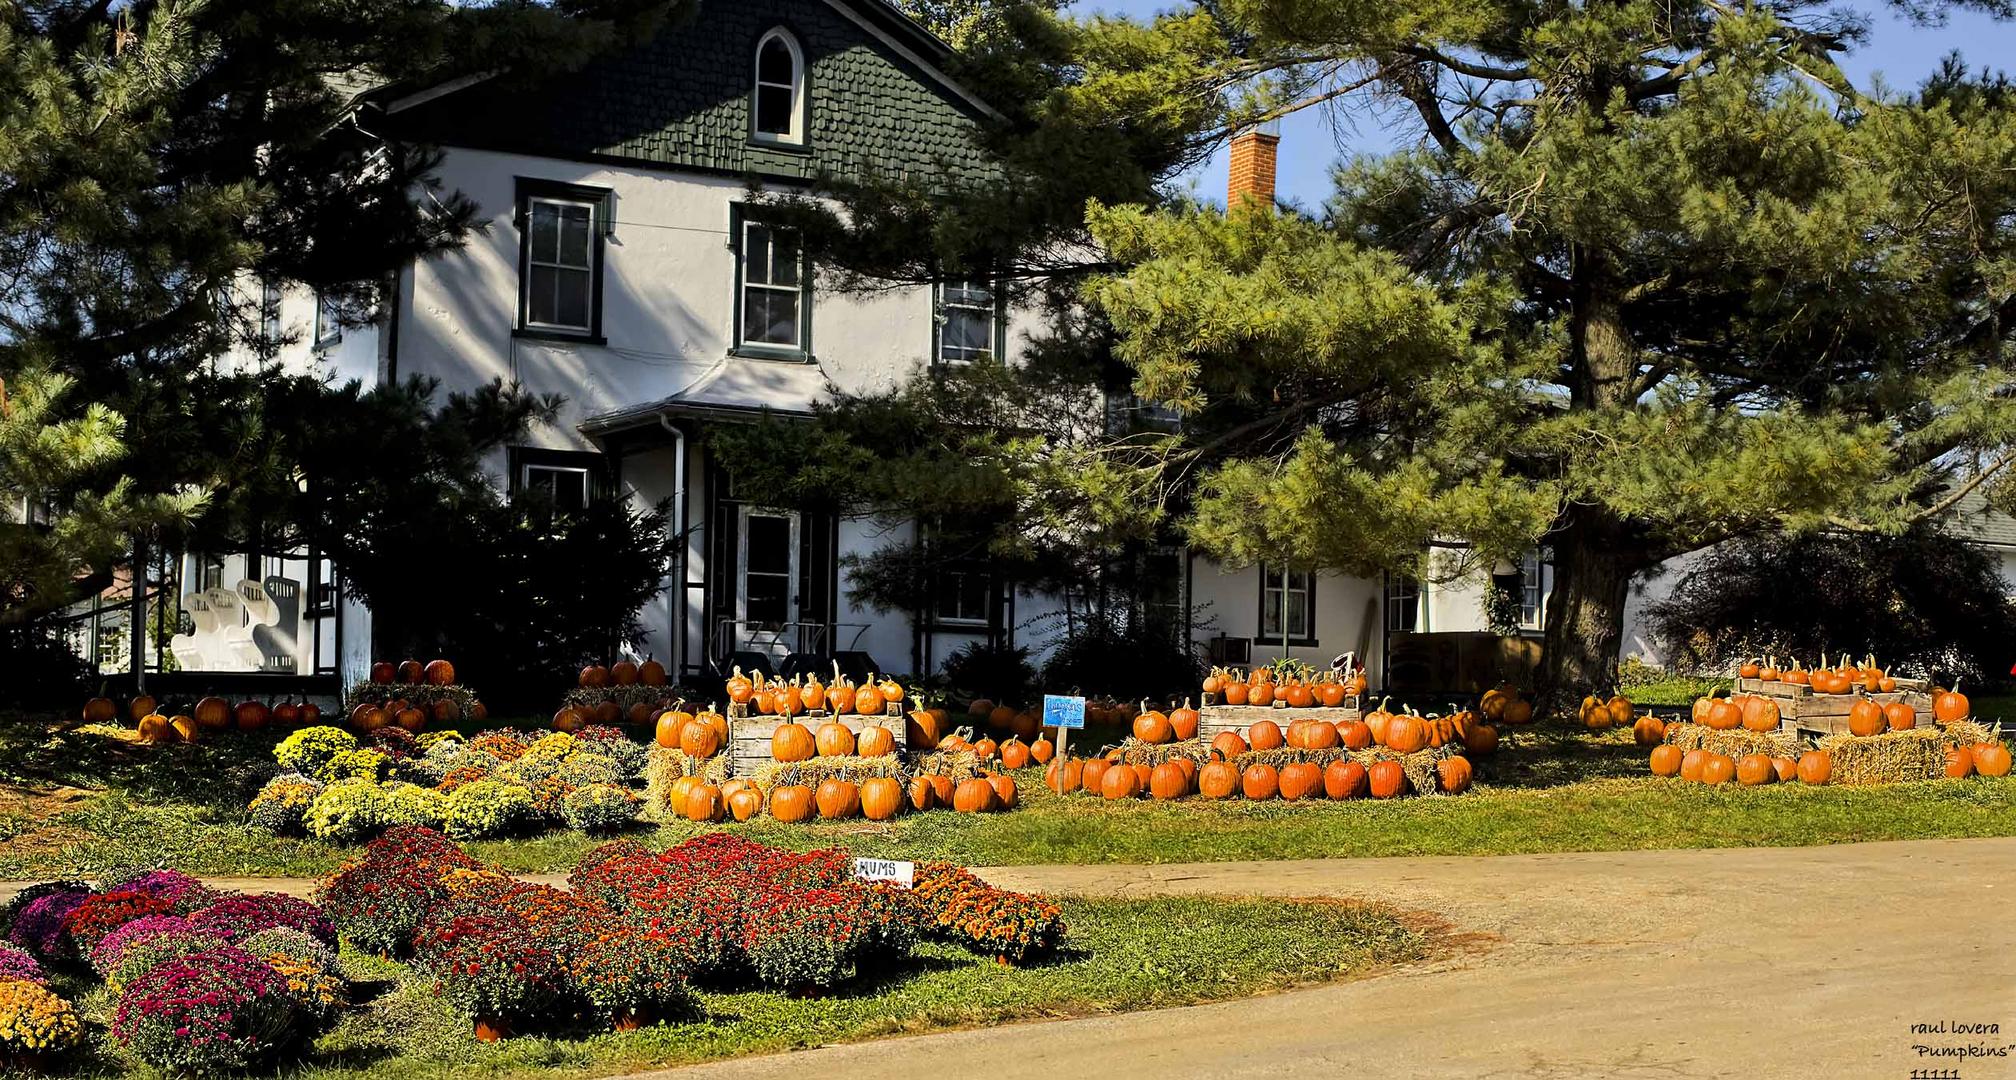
[
  {"x": 749, "y": 737},
  {"x": 1213, "y": 719},
  {"x": 1218, "y": 701},
  {"x": 1827, "y": 714},
  {"x": 1778, "y": 688}
]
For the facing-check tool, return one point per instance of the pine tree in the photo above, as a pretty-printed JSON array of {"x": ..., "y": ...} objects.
[{"x": 1653, "y": 277}]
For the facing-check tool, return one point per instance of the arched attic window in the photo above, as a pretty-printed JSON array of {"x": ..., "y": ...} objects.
[{"x": 777, "y": 105}]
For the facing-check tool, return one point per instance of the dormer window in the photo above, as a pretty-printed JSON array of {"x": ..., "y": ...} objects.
[{"x": 777, "y": 105}]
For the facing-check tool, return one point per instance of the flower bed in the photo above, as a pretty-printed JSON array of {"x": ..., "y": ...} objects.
[
  {"x": 501, "y": 782},
  {"x": 185, "y": 998}
]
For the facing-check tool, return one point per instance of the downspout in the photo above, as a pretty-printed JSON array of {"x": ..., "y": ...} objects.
[{"x": 678, "y": 627}]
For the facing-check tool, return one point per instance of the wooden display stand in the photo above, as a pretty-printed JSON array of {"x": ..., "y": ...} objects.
[
  {"x": 1800, "y": 710},
  {"x": 1212, "y": 719},
  {"x": 749, "y": 736}
]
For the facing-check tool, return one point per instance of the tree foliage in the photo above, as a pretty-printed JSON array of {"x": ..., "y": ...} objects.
[{"x": 1923, "y": 602}]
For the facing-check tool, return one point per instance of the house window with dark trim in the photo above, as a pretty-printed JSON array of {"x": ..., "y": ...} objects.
[
  {"x": 1403, "y": 602},
  {"x": 327, "y": 331},
  {"x": 777, "y": 104},
  {"x": 773, "y": 288},
  {"x": 561, "y": 229},
  {"x": 269, "y": 312},
  {"x": 964, "y": 595},
  {"x": 1532, "y": 592},
  {"x": 565, "y": 481},
  {"x": 969, "y": 321},
  {"x": 1290, "y": 596}
]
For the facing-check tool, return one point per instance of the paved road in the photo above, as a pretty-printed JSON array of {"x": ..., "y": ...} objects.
[{"x": 1794, "y": 963}]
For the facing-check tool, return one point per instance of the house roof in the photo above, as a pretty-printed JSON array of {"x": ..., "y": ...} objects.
[
  {"x": 881, "y": 103},
  {"x": 733, "y": 390},
  {"x": 1973, "y": 519}
]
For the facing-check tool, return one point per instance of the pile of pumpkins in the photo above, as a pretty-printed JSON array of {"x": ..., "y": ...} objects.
[
  {"x": 1503, "y": 704},
  {"x": 1600, "y": 714},
  {"x": 401, "y": 710},
  {"x": 878, "y": 798},
  {"x": 156, "y": 727},
  {"x": 804, "y": 694},
  {"x": 1710, "y": 767},
  {"x": 1841, "y": 678},
  {"x": 599, "y": 688},
  {"x": 1262, "y": 688},
  {"x": 1866, "y": 717}
]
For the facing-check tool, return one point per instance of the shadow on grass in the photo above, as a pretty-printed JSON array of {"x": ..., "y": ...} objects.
[
  {"x": 1546, "y": 757},
  {"x": 220, "y": 772}
]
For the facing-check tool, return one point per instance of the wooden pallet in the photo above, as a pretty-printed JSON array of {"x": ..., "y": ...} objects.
[
  {"x": 749, "y": 737},
  {"x": 1778, "y": 688},
  {"x": 1213, "y": 719},
  {"x": 1218, "y": 701}
]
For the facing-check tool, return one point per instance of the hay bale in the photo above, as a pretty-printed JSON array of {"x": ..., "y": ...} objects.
[
  {"x": 669, "y": 764},
  {"x": 1735, "y": 742},
  {"x": 957, "y": 764},
  {"x": 1896, "y": 757},
  {"x": 821, "y": 769},
  {"x": 1135, "y": 752}
]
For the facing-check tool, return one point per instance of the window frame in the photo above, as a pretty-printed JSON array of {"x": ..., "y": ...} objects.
[
  {"x": 799, "y": 136},
  {"x": 1270, "y": 581},
  {"x": 270, "y": 299},
  {"x": 326, "y": 330},
  {"x": 595, "y": 468},
  {"x": 739, "y": 220},
  {"x": 597, "y": 200},
  {"x": 1401, "y": 587},
  {"x": 1533, "y": 568},
  {"x": 997, "y": 320}
]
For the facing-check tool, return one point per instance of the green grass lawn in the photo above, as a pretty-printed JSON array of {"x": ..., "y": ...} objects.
[
  {"x": 1121, "y": 955},
  {"x": 1546, "y": 790}
]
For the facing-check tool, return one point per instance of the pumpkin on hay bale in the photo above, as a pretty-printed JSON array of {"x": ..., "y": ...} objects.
[
  {"x": 957, "y": 764},
  {"x": 1895, "y": 757},
  {"x": 1421, "y": 767},
  {"x": 668, "y": 765},
  {"x": 1733, "y": 742},
  {"x": 1135, "y": 752},
  {"x": 816, "y": 771}
]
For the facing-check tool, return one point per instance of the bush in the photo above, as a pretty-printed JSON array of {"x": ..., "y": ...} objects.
[
  {"x": 960, "y": 908},
  {"x": 1124, "y": 658},
  {"x": 1922, "y": 603},
  {"x": 621, "y": 970},
  {"x": 627, "y": 754},
  {"x": 34, "y": 1021},
  {"x": 107, "y": 953},
  {"x": 287, "y": 941},
  {"x": 39, "y": 925},
  {"x": 371, "y": 766},
  {"x": 599, "y": 808},
  {"x": 218, "y": 1011},
  {"x": 415, "y": 805},
  {"x": 348, "y": 812},
  {"x": 11, "y": 910},
  {"x": 183, "y": 892},
  {"x": 102, "y": 913},
  {"x": 488, "y": 966},
  {"x": 487, "y": 808},
  {"x": 378, "y": 901},
  {"x": 814, "y": 939},
  {"x": 18, "y": 963},
  {"x": 310, "y": 750},
  {"x": 281, "y": 807},
  {"x": 393, "y": 741},
  {"x": 1001, "y": 672},
  {"x": 144, "y": 954},
  {"x": 501, "y": 744},
  {"x": 237, "y": 917}
]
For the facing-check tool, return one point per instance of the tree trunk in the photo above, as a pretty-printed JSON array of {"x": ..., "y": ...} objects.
[{"x": 1585, "y": 614}]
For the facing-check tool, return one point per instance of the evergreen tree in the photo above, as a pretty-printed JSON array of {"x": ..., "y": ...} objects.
[
  {"x": 157, "y": 165},
  {"x": 1653, "y": 277}
]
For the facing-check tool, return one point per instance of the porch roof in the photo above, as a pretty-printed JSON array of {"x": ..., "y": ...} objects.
[{"x": 736, "y": 390}]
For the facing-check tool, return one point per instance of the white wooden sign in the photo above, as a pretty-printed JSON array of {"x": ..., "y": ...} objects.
[{"x": 899, "y": 873}]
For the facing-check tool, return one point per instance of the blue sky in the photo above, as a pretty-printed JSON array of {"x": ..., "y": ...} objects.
[{"x": 1312, "y": 141}]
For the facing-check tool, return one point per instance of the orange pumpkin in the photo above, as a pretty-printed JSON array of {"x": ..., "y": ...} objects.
[
  {"x": 1120, "y": 782},
  {"x": 1064, "y": 775},
  {"x": 1518, "y": 713},
  {"x": 1042, "y": 750},
  {"x": 186, "y": 728},
  {"x": 1228, "y": 743},
  {"x": 215, "y": 713},
  {"x": 1755, "y": 769},
  {"x": 1454, "y": 773},
  {"x": 1357, "y": 735},
  {"x": 1692, "y": 763},
  {"x": 1950, "y": 706},
  {"x": 922, "y": 795},
  {"x": 594, "y": 675},
  {"x": 1265, "y": 735},
  {"x": 155, "y": 728},
  {"x": 438, "y": 673},
  {"x": 1406, "y": 734},
  {"x": 698, "y": 739},
  {"x": 791, "y": 803},
  {"x": 740, "y": 690},
  {"x": 1865, "y": 717},
  {"x": 868, "y": 700},
  {"x": 1959, "y": 762},
  {"x": 745, "y": 802},
  {"x": 1260, "y": 782},
  {"x": 941, "y": 789},
  {"x": 703, "y": 803},
  {"x": 792, "y": 742},
  {"x": 1387, "y": 780},
  {"x": 834, "y": 739},
  {"x": 1724, "y": 715},
  {"x": 1217, "y": 779},
  {"x": 1760, "y": 714},
  {"x": 1718, "y": 769},
  {"x": 881, "y": 798},
  {"x": 1900, "y": 716},
  {"x": 1666, "y": 760},
  {"x": 100, "y": 710},
  {"x": 1153, "y": 727},
  {"x": 1344, "y": 779},
  {"x": 875, "y": 741},
  {"x": 1014, "y": 753},
  {"x": 1301, "y": 780},
  {"x": 1004, "y": 790},
  {"x": 651, "y": 673},
  {"x": 1786, "y": 768},
  {"x": 1092, "y": 775},
  {"x": 569, "y": 719},
  {"x": 1648, "y": 731},
  {"x": 1235, "y": 693},
  {"x": 1815, "y": 767},
  {"x": 838, "y": 799},
  {"x": 1991, "y": 759}
]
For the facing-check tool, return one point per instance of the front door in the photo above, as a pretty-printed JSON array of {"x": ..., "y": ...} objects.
[{"x": 766, "y": 579}]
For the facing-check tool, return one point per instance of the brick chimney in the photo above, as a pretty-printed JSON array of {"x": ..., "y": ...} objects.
[{"x": 1252, "y": 179}]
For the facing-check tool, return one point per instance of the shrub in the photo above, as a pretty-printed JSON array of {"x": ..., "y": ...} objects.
[
  {"x": 174, "y": 886},
  {"x": 501, "y": 744},
  {"x": 106, "y": 954},
  {"x": 309, "y": 750},
  {"x": 488, "y": 966},
  {"x": 287, "y": 941},
  {"x": 467, "y": 769},
  {"x": 542, "y": 778},
  {"x": 554, "y": 745},
  {"x": 628, "y": 755},
  {"x": 599, "y": 808},
  {"x": 11, "y": 910},
  {"x": 999, "y": 671},
  {"x": 487, "y": 808},
  {"x": 429, "y": 741},
  {"x": 378, "y": 901},
  {"x": 394, "y": 742},
  {"x": 348, "y": 812},
  {"x": 318, "y": 995},
  {"x": 368, "y": 765},
  {"x": 237, "y": 917},
  {"x": 282, "y": 805},
  {"x": 18, "y": 963},
  {"x": 102, "y": 913},
  {"x": 620, "y": 970},
  {"x": 216, "y": 1011},
  {"x": 39, "y": 926},
  {"x": 414, "y": 805},
  {"x": 814, "y": 939},
  {"x": 1128, "y": 658},
  {"x": 142, "y": 955},
  {"x": 34, "y": 1021},
  {"x": 960, "y": 908}
]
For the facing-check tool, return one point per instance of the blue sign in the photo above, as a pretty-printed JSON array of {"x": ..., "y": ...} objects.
[{"x": 1060, "y": 711}]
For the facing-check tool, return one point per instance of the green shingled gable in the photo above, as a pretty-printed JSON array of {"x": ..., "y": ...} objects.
[{"x": 682, "y": 101}]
